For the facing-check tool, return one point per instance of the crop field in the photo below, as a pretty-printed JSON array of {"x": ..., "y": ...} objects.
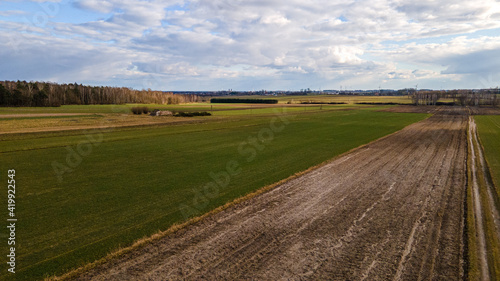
[
  {"x": 391, "y": 210},
  {"x": 113, "y": 108},
  {"x": 200, "y": 106},
  {"x": 73, "y": 117},
  {"x": 489, "y": 132},
  {"x": 84, "y": 193}
]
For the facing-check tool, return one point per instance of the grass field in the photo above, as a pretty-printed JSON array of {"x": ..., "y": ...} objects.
[
  {"x": 489, "y": 132},
  {"x": 112, "y": 108},
  {"x": 24, "y": 119},
  {"x": 114, "y": 187},
  {"x": 201, "y": 106}
]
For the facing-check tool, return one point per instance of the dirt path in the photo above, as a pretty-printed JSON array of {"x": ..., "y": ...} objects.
[
  {"x": 477, "y": 206},
  {"x": 392, "y": 210}
]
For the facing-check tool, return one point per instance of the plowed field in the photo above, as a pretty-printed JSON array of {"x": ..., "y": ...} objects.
[{"x": 391, "y": 210}]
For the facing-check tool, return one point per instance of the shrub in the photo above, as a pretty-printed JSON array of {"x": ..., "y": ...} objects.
[
  {"x": 136, "y": 110},
  {"x": 191, "y": 114},
  {"x": 140, "y": 110},
  {"x": 320, "y": 102},
  {"x": 204, "y": 113}
]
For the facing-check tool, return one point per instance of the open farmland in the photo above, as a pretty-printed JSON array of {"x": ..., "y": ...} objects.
[
  {"x": 76, "y": 117},
  {"x": 392, "y": 210},
  {"x": 132, "y": 182}
]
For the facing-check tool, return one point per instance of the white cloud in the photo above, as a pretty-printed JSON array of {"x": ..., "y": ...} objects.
[
  {"x": 275, "y": 19},
  {"x": 280, "y": 43},
  {"x": 36, "y": 1},
  {"x": 11, "y": 13}
]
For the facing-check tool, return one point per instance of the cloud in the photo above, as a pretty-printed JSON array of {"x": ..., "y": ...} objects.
[
  {"x": 278, "y": 43},
  {"x": 12, "y": 13},
  {"x": 460, "y": 54},
  {"x": 36, "y": 1},
  {"x": 479, "y": 63}
]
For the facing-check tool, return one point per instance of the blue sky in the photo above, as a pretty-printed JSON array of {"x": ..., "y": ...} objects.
[{"x": 253, "y": 44}]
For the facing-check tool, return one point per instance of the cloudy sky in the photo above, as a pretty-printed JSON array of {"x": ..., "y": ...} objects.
[{"x": 253, "y": 44}]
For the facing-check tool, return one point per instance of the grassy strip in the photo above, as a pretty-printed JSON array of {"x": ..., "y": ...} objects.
[
  {"x": 488, "y": 127},
  {"x": 492, "y": 240},
  {"x": 132, "y": 184}
]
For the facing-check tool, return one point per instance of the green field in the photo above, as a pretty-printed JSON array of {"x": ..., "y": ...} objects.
[
  {"x": 80, "y": 197},
  {"x": 202, "y": 106},
  {"x": 489, "y": 132},
  {"x": 112, "y": 108},
  {"x": 25, "y": 119}
]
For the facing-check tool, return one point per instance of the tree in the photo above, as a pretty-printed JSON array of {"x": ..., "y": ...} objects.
[
  {"x": 39, "y": 99},
  {"x": 16, "y": 98},
  {"x": 4, "y": 95}
]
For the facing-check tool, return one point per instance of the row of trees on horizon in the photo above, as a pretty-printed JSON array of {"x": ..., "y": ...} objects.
[
  {"x": 460, "y": 97},
  {"x": 22, "y": 93}
]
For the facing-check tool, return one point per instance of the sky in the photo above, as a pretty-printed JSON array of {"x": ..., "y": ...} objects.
[{"x": 245, "y": 45}]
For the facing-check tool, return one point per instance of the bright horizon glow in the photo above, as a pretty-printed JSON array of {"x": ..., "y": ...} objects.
[{"x": 176, "y": 45}]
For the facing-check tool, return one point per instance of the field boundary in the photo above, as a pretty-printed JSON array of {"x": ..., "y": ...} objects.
[
  {"x": 177, "y": 227},
  {"x": 486, "y": 246}
]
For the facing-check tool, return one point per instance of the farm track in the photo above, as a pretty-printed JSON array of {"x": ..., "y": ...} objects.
[{"x": 391, "y": 210}]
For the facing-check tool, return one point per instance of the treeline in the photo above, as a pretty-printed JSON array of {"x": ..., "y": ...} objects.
[
  {"x": 460, "y": 97},
  {"x": 219, "y": 100},
  {"x": 22, "y": 93}
]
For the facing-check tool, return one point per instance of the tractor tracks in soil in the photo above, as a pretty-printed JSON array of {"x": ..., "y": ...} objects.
[{"x": 391, "y": 210}]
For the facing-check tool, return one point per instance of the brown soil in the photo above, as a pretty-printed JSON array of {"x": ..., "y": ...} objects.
[
  {"x": 391, "y": 210},
  {"x": 412, "y": 109},
  {"x": 474, "y": 110},
  {"x": 105, "y": 122}
]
